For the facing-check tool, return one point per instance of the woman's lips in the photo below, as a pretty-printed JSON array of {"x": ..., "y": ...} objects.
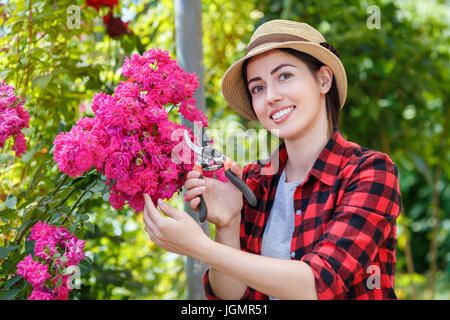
[{"x": 284, "y": 117}]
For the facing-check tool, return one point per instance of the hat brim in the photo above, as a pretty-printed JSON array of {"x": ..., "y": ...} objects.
[{"x": 234, "y": 89}]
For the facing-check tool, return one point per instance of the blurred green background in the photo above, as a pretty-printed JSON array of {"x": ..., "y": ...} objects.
[{"x": 398, "y": 97}]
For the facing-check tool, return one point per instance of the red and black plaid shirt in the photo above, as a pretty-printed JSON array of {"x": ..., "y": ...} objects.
[{"x": 345, "y": 220}]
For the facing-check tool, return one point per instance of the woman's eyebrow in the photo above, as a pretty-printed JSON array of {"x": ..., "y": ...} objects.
[
  {"x": 281, "y": 66},
  {"x": 273, "y": 71},
  {"x": 254, "y": 79}
]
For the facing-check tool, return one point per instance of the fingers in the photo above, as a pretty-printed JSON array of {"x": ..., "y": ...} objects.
[
  {"x": 193, "y": 174},
  {"x": 170, "y": 211},
  {"x": 195, "y": 203},
  {"x": 195, "y": 187},
  {"x": 195, "y": 192},
  {"x": 236, "y": 170},
  {"x": 192, "y": 183},
  {"x": 151, "y": 214}
]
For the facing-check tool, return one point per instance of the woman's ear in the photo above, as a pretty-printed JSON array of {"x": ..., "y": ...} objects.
[{"x": 325, "y": 76}]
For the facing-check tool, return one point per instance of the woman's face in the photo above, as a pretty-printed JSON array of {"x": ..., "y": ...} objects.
[{"x": 287, "y": 98}]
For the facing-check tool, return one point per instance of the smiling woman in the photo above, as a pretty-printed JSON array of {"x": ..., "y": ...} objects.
[
  {"x": 313, "y": 65},
  {"x": 326, "y": 213}
]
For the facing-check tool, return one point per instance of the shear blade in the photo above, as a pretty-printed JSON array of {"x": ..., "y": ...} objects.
[{"x": 194, "y": 147}]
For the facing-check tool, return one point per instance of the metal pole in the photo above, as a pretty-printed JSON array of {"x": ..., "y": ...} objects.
[{"x": 189, "y": 51}]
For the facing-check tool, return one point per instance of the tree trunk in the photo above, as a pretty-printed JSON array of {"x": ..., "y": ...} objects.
[{"x": 188, "y": 34}]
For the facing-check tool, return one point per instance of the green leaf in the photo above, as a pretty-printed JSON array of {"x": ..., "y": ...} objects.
[
  {"x": 7, "y": 213},
  {"x": 37, "y": 176},
  {"x": 90, "y": 227},
  {"x": 13, "y": 19},
  {"x": 24, "y": 225},
  {"x": 29, "y": 246},
  {"x": 59, "y": 282},
  {"x": 4, "y": 73},
  {"x": 12, "y": 281},
  {"x": 11, "y": 202},
  {"x": 61, "y": 126},
  {"x": 41, "y": 81},
  {"x": 73, "y": 227},
  {"x": 8, "y": 294},
  {"x": 5, "y": 251},
  {"x": 5, "y": 158},
  {"x": 128, "y": 43},
  {"x": 85, "y": 266}
]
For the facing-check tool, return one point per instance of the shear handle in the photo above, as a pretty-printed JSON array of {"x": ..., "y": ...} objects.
[
  {"x": 203, "y": 211},
  {"x": 238, "y": 183},
  {"x": 242, "y": 186}
]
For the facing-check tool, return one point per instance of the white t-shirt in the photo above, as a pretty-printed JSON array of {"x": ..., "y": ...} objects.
[{"x": 277, "y": 237}]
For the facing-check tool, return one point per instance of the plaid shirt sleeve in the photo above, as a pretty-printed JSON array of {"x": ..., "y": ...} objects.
[{"x": 365, "y": 215}]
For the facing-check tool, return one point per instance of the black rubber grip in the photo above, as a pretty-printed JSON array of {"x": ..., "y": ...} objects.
[
  {"x": 245, "y": 189},
  {"x": 203, "y": 211}
]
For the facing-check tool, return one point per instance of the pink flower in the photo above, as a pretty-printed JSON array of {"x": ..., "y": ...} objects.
[
  {"x": 77, "y": 151},
  {"x": 20, "y": 145},
  {"x": 13, "y": 118},
  {"x": 132, "y": 136},
  {"x": 61, "y": 292},
  {"x": 7, "y": 95},
  {"x": 40, "y": 294},
  {"x": 50, "y": 241},
  {"x": 32, "y": 271},
  {"x": 75, "y": 250},
  {"x": 40, "y": 231}
]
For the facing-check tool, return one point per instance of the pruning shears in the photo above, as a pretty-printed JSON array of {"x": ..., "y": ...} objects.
[{"x": 210, "y": 159}]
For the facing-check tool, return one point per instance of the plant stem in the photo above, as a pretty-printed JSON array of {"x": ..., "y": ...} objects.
[{"x": 79, "y": 198}]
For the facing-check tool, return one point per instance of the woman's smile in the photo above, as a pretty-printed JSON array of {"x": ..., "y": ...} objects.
[{"x": 280, "y": 115}]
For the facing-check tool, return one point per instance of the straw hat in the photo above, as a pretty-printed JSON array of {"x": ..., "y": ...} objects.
[{"x": 276, "y": 34}]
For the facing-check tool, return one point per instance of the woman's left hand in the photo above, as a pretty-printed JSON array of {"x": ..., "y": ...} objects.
[{"x": 179, "y": 233}]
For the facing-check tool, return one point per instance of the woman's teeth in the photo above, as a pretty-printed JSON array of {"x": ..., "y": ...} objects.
[{"x": 281, "y": 113}]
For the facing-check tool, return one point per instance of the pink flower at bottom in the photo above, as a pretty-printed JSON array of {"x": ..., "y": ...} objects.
[
  {"x": 61, "y": 293},
  {"x": 39, "y": 294}
]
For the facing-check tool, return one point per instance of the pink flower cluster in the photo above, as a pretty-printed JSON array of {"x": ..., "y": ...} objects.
[
  {"x": 131, "y": 138},
  {"x": 13, "y": 118},
  {"x": 54, "y": 247}
]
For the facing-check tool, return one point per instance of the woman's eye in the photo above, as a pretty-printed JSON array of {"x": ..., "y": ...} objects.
[
  {"x": 257, "y": 89},
  {"x": 285, "y": 76}
]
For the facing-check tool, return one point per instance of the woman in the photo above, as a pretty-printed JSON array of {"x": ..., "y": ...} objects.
[{"x": 325, "y": 223}]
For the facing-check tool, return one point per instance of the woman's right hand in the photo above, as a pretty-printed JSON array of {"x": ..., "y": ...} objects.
[{"x": 223, "y": 199}]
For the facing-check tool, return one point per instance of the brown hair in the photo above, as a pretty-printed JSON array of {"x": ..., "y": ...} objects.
[{"x": 332, "y": 96}]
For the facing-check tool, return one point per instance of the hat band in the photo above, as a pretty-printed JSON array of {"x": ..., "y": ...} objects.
[{"x": 273, "y": 37}]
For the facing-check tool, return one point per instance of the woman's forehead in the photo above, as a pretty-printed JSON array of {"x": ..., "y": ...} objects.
[{"x": 270, "y": 59}]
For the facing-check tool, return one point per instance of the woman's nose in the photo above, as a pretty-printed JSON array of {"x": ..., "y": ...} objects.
[{"x": 272, "y": 94}]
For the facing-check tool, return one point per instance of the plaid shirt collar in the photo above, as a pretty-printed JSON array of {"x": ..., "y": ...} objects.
[{"x": 325, "y": 168}]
